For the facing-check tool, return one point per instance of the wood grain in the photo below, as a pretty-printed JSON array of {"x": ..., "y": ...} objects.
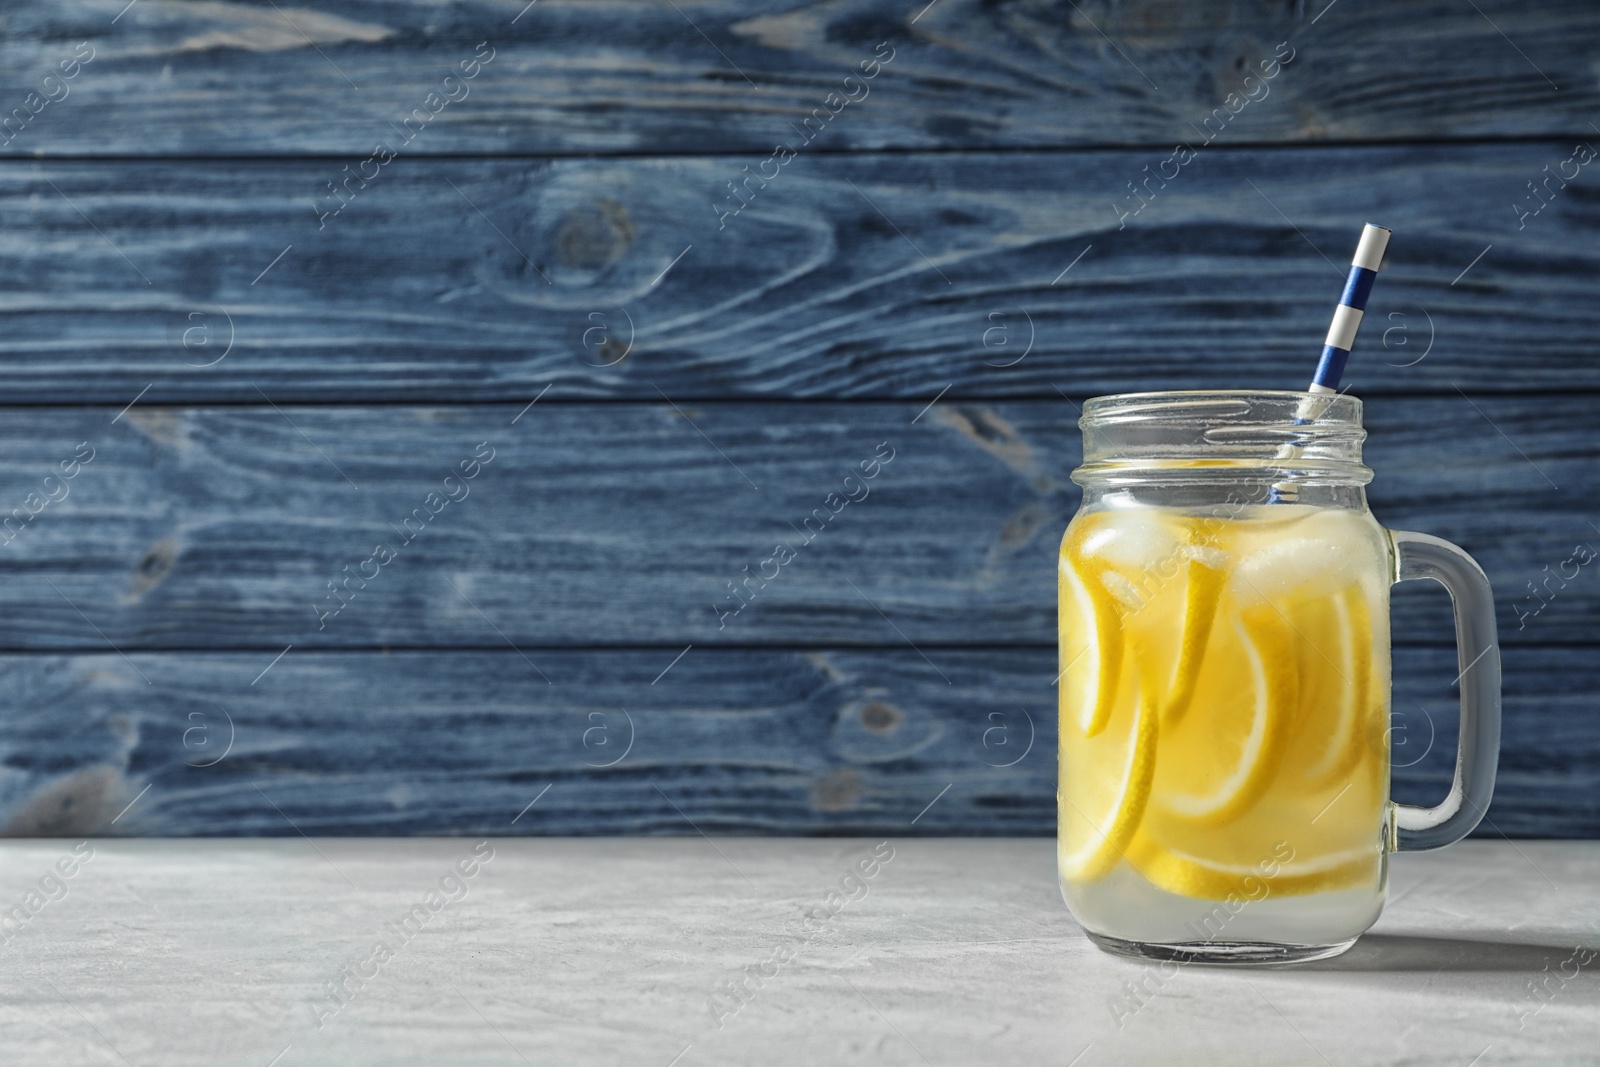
[
  {"x": 626, "y": 524},
  {"x": 235, "y": 79},
  {"x": 307, "y": 365},
  {"x": 830, "y": 741},
  {"x": 886, "y": 277}
]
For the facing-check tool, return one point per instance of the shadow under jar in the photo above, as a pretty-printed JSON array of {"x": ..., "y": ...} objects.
[{"x": 1224, "y": 689}]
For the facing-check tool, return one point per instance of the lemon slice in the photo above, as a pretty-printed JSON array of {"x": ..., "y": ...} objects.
[
  {"x": 1093, "y": 840},
  {"x": 1189, "y": 876},
  {"x": 1349, "y": 675},
  {"x": 1200, "y": 610},
  {"x": 1210, "y": 798},
  {"x": 1091, "y": 652}
]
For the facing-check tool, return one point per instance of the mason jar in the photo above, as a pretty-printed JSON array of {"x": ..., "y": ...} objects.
[{"x": 1225, "y": 674}]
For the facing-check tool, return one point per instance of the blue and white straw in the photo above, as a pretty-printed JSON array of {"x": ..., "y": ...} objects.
[
  {"x": 1352, "y": 305},
  {"x": 1336, "y": 347}
]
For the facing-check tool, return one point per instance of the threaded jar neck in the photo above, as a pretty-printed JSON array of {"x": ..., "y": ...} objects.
[{"x": 1309, "y": 439}]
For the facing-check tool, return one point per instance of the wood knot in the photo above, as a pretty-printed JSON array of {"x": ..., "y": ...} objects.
[
  {"x": 153, "y": 566},
  {"x": 612, "y": 351},
  {"x": 836, "y": 790},
  {"x": 984, "y": 427},
  {"x": 881, "y": 717},
  {"x": 594, "y": 235},
  {"x": 72, "y": 805},
  {"x": 1020, "y": 528}
]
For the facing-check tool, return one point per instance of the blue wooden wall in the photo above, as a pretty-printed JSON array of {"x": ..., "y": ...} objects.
[{"x": 458, "y": 299}]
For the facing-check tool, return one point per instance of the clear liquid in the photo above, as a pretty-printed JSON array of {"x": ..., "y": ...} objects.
[{"x": 1124, "y": 905}]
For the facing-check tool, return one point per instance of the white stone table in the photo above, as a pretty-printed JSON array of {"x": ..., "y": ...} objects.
[{"x": 616, "y": 951}]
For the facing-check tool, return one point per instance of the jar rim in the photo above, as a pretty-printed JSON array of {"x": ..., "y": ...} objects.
[
  {"x": 1209, "y": 433},
  {"x": 1343, "y": 402}
]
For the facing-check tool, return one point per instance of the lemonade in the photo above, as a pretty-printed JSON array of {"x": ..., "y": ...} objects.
[{"x": 1224, "y": 702}]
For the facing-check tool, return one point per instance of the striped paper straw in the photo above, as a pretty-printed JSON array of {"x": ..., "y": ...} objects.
[
  {"x": 1336, "y": 346},
  {"x": 1352, "y": 305}
]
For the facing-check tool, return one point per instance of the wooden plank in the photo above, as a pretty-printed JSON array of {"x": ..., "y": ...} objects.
[
  {"x": 770, "y": 741},
  {"x": 627, "y": 524},
  {"x": 730, "y": 75},
  {"x": 893, "y": 276}
]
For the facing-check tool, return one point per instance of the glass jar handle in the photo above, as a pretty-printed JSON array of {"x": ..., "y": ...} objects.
[{"x": 1478, "y": 654}]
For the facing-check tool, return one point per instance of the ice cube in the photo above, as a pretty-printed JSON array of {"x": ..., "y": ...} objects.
[
  {"x": 1134, "y": 539},
  {"x": 1318, "y": 555},
  {"x": 1125, "y": 593}
]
